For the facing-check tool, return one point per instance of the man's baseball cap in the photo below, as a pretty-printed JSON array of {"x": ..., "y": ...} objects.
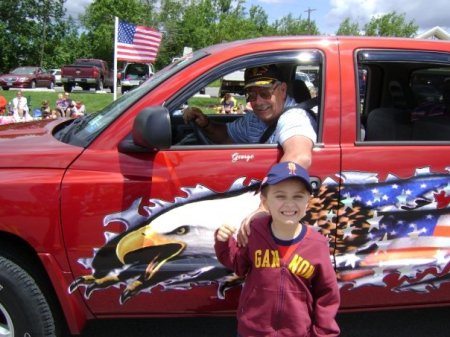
[
  {"x": 287, "y": 170},
  {"x": 262, "y": 76}
]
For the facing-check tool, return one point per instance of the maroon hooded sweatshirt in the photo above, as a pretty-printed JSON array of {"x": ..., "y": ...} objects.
[{"x": 291, "y": 296}]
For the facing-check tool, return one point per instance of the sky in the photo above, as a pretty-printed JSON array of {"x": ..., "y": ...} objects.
[{"x": 328, "y": 14}]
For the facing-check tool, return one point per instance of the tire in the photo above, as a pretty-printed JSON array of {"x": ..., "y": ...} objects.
[
  {"x": 5, "y": 88},
  {"x": 24, "y": 310},
  {"x": 99, "y": 86},
  {"x": 68, "y": 87}
]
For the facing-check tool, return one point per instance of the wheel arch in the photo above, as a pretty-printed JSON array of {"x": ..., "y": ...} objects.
[{"x": 53, "y": 282}]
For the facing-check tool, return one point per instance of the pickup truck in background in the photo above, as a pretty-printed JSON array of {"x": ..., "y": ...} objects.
[
  {"x": 87, "y": 73},
  {"x": 134, "y": 74},
  {"x": 112, "y": 215}
]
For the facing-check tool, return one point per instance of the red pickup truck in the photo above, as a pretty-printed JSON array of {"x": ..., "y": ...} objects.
[
  {"x": 87, "y": 73},
  {"x": 113, "y": 214}
]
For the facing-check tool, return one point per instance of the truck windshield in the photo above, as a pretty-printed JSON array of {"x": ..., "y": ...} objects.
[{"x": 82, "y": 131}]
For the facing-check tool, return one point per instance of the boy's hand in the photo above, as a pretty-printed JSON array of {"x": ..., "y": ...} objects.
[{"x": 225, "y": 232}]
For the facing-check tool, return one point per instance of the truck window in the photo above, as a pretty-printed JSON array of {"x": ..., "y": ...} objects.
[
  {"x": 405, "y": 97},
  {"x": 303, "y": 76}
]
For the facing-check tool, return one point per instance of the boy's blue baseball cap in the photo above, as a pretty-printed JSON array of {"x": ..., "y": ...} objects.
[{"x": 287, "y": 170}]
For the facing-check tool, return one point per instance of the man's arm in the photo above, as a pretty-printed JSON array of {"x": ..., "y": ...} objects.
[
  {"x": 299, "y": 150},
  {"x": 217, "y": 132}
]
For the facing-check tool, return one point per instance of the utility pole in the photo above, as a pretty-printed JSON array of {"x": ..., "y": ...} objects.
[{"x": 309, "y": 10}]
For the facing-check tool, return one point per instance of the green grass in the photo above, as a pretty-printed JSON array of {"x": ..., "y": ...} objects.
[
  {"x": 208, "y": 104},
  {"x": 92, "y": 101},
  {"x": 95, "y": 102}
]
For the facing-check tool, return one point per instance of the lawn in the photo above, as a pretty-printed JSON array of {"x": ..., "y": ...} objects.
[
  {"x": 91, "y": 100},
  {"x": 95, "y": 101},
  {"x": 209, "y": 104}
]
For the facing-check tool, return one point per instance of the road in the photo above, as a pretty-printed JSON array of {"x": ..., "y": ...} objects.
[{"x": 401, "y": 323}]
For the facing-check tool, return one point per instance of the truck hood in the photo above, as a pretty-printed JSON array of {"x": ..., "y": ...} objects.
[{"x": 32, "y": 145}]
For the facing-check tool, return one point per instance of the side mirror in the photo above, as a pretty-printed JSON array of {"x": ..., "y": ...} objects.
[{"x": 151, "y": 131}]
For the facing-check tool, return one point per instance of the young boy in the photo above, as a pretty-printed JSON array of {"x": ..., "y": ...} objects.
[{"x": 290, "y": 288}]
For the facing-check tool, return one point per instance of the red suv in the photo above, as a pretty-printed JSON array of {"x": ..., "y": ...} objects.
[{"x": 113, "y": 214}]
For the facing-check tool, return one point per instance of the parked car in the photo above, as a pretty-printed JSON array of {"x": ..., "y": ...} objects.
[
  {"x": 27, "y": 77},
  {"x": 57, "y": 74},
  {"x": 134, "y": 74},
  {"x": 112, "y": 215}
]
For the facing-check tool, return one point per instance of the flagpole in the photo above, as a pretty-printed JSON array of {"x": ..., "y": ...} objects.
[{"x": 116, "y": 31}]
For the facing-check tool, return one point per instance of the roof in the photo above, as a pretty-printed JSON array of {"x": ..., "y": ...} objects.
[{"x": 435, "y": 33}]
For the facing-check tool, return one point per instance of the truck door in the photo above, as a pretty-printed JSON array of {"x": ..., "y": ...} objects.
[
  {"x": 394, "y": 243},
  {"x": 139, "y": 227}
]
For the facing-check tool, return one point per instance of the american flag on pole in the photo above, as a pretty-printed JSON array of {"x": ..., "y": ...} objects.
[{"x": 137, "y": 43}]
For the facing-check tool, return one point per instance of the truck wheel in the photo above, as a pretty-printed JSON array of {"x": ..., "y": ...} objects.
[
  {"x": 68, "y": 87},
  {"x": 99, "y": 85},
  {"x": 24, "y": 310}
]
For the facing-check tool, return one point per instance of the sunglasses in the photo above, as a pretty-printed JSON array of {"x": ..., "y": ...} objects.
[{"x": 264, "y": 93}]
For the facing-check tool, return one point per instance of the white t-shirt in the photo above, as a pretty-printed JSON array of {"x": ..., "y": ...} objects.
[{"x": 295, "y": 121}]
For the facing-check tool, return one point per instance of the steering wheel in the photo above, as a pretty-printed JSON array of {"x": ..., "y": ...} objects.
[{"x": 198, "y": 131}]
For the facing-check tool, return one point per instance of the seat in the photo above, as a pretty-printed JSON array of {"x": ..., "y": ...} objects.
[
  {"x": 432, "y": 128},
  {"x": 388, "y": 124},
  {"x": 300, "y": 91}
]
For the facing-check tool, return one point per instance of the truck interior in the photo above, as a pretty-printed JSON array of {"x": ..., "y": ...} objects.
[
  {"x": 404, "y": 97},
  {"x": 307, "y": 96}
]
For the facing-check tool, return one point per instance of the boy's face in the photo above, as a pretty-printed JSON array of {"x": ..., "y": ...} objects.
[{"x": 286, "y": 201}]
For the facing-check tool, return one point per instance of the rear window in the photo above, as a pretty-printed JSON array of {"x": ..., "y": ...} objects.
[{"x": 404, "y": 96}]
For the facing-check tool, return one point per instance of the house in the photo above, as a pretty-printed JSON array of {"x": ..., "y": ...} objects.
[{"x": 436, "y": 33}]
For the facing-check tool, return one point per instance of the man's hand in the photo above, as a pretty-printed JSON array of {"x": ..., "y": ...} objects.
[
  {"x": 196, "y": 115},
  {"x": 244, "y": 230},
  {"x": 225, "y": 232}
]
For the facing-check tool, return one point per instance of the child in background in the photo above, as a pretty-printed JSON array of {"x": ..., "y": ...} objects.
[
  {"x": 77, "y": 110},
  {"x": 61, "y": 103},
  {"x": 228, "y": 102},
  {"x": 45, "y": 109},
  {"x": 55, "y": 113},
  {"x": 290, "y": 288}
]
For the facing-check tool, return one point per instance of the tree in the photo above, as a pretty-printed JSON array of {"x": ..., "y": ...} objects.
[
  {"x": 391, "y": 24},
  {"x": 197, "y": 24},
  {"x": 98, "y": 23},
  {"x": 289, "y": 25},
  {"x": 31, "y": 29},
  {"x": 348, "y": 28}
]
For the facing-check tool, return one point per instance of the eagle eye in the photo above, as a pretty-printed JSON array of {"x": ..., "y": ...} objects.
[{"x": 182, "y": 230}]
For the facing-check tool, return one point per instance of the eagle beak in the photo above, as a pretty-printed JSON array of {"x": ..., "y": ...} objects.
[{"x": 146, "y": 246}]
